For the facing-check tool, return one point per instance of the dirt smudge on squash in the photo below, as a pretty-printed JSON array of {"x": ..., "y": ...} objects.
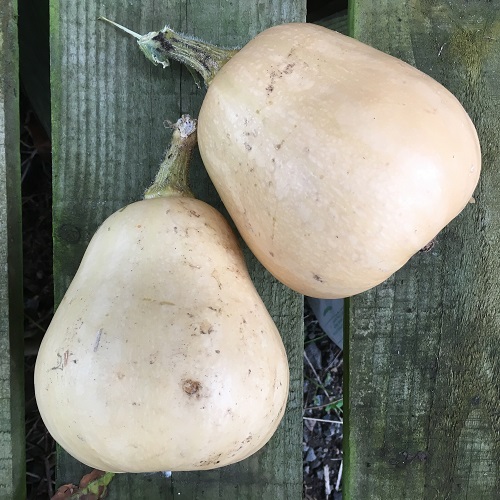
[
  {"x": 62, "y": 361},
  {"x": 206, "y": 328},
  {"x": 276, "y": 74},
  {"x": 215, "y": 276},
  {"x": 161, "y": 302},
  {"x": 191, "y": 387},
  {"x": 211, "y": 460}
]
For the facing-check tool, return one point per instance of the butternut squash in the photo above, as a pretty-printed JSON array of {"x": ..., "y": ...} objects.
[
  {"x": 161, "y": 355},
  {"x": 336, "y": 162}
]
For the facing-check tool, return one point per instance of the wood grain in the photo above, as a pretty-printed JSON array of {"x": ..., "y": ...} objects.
[
  {"x": 109, "y": 107},
  {"x": 423, "y": 393},
  {"x": 12, "y": 480}
]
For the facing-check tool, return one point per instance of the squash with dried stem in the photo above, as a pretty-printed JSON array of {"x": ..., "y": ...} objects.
[
  {"x": 336, "y": 162},
  {"x": 162, "y": 355}
]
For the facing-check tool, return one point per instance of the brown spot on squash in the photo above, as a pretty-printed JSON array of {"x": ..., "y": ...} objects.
[
  {"x": 191, "y": 387},
  {"x": 206, "y": 328}
]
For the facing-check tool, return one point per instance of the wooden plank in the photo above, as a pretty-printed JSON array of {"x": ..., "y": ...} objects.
[
  {"x": 12, "y": 481},
  {"x": 109, "y": 105},
  {"x": 423, "y": 416}
]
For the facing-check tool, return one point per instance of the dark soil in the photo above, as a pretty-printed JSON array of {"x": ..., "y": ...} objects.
[
  {"x": 323, "y": 428},
  {"x": 38, "y": 291}
]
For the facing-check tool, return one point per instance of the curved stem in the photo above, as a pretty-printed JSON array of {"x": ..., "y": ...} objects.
[
  {"x": 205, "y": 58},
  {"x": 119, "y": 26},
  {"x": 172, "y": 177},
  {"x": 162, "y": 46}
]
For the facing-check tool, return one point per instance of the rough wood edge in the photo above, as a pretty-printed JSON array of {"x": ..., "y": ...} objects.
[{"x": 12, "y": 462}]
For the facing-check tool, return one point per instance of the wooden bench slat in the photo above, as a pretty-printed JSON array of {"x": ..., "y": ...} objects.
[
  {"x": 423, "y": 400},
  {"x": 12, "y": 454},
  {"x": 109, "y": 105}
]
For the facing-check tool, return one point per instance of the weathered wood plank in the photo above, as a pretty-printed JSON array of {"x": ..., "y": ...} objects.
[
  {"x": 12, "y": 480},
  {"x": 109, "y": 105},
  {"x": 423, "y": 398}
]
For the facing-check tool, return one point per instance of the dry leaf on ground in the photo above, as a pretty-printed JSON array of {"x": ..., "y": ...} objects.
[{"x": 93, "y": 486}]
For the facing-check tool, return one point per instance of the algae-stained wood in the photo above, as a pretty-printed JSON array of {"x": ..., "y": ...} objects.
[
  {"x": 12, "y": 481},
  {"x": 424, "y": 347},
  {"x": 108, "y": 113}
]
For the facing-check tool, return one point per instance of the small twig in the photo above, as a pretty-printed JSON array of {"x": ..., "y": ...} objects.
[
  {"x": 324, "y": 420},
  {"x": 40, "y": 440},
  {"x": 326, "y": 476},
  {"x": 26, "y": 145},
  {"x": 32, "y": 428},
  {"x": 48, "y": 477},
  {"x": 340, "y": 363},
  {"x": 34, "y": 322},
  {"x": 310, "y": 341},
  {"x": 316, "y": 375},
  {"x": 322, "y": 406},
  {"x": 339, "y": 478}
]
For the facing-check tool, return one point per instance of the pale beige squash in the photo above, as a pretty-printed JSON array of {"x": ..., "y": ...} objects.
[
  {"x": 161, "y": 355},
  {"x": 337, "y": 162}
]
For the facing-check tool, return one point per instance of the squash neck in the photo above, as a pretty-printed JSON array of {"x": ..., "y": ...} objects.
[{"x": 172, "y": 177}]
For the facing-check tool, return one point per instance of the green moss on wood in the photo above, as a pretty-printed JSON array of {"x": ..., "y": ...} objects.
[{"x": 423, "y": 347}]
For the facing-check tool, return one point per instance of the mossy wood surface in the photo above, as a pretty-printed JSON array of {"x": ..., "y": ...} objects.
[
  {"x": 424, "y": 347},
  {"x": 12, "y": 480},
  {"x": 108, "y": 108}
]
